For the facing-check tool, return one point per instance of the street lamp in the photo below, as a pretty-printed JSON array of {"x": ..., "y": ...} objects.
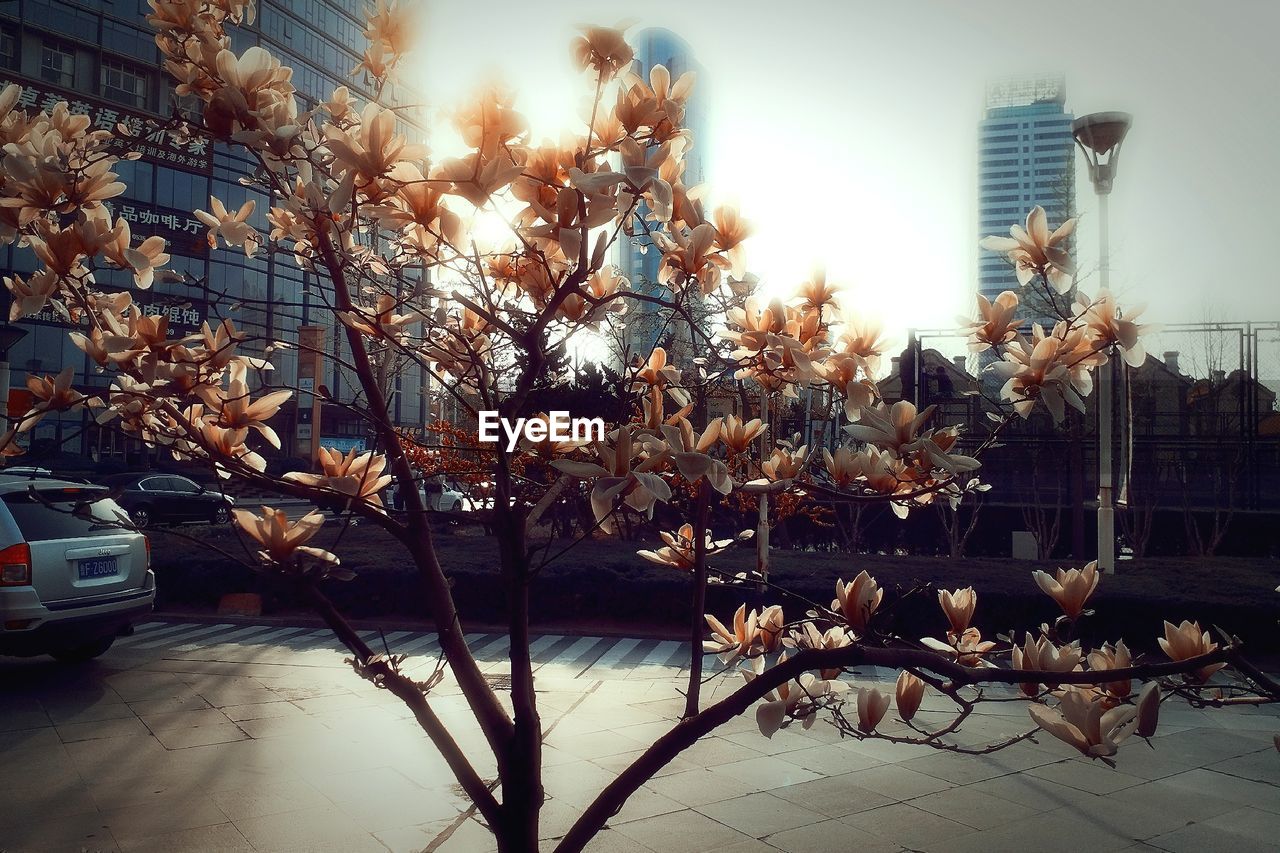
[{"x": 1099, "y": 137}]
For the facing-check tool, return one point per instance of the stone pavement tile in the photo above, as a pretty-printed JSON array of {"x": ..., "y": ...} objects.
[
  {"x": 786, "y": 740},
  {"x": 383, "y": 798},
  {"x": 163, "y": 816},
  {"x": 712, "y": 751},
  {"x": 119, "y": 727},
  {"x": 1241, "y": 791},
  {"x": 588, "y": 745},
  {"x": 325, "y": 829},
  {"x": 266, "y": 797},
  {"x": 890, "y": 753},
  {"x": 899, "y": 783},
  {"x": 1261, "y": 766},
  {"x": 1138, "y": 759},
  {"x": 218, "y": 838},
  {"x": 154, "y": 788},
  {"x": 299, "y": 725},
  {"x": 334, "y": 702},
  {"x": 907, "y": 825},
  {"x": 1040, "y": 795},
  {"x": 189, "y": 718},
  {"x": 1059, "y": 831},
  {"x": 68, "y": 834},
  {"x": 15, "y": 746},
  {"x": 1203, "y": 838},
  {"x": 699, "y": 786},
  {"x": 1206, "y": 745},
  {"x": 833, "y": 796},
  {"x": 973, "y": 808},
  {"x": 106, "y": 708},
  {"x": 117, "y": 757},
  {"x": 829, "y": 759},
  {"x": 759, "y": 814},
  {"x": 963, "y": 769},
  {"x": 682, "y": 832},
  {"x": 16, "y": 719},
  {"x": 765, "y": 772},
  {"x": 618, "y": 763},
  {"x": 1086, "y": 775},
  {"x": 577, "y": 782},
  {"x": 148, "y": 707},
  {"x": 646, "y": 803},
  {"x": 184, "y": 738},
  {"x": 830, "y": 836},
  {"x": 50, "y": 798},
  {"x": 261, "y": 710},
  {"x": 1254, "y": 823}
]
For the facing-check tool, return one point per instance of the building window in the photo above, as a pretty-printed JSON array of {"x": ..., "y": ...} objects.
[
  {"x": 58, "y": 64},
  {"x": 123, "y": 83},
  {"x": 8, "y": 50}
]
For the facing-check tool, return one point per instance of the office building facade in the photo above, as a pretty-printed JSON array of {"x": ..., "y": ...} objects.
[
  {"x": 645, "y": 328},
  {"x": 1025, "y": 158},
  {"x": 100, "y": 57}
]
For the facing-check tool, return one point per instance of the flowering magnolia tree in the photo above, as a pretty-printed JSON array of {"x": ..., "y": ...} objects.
[{"x": 366, "y": 212}]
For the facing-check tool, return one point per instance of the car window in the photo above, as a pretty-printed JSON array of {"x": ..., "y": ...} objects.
[
  {"x": 155, "y": 484},
  {"x": 182, "y": 484},
  {"x": 38, "y": 522}
]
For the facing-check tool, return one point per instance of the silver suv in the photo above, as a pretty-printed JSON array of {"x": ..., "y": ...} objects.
[{"x": 71, "y": 579}]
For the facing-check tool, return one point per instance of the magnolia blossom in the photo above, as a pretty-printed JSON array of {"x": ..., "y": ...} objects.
[
  {"x": 958, "y": 605},
  {"x": 233, "y": 228},
  {"x": 679, "y": 549},
  {"x": 997, "y": 322},
  {"x": 909, "y": 692},
  {"x": 967, "y": 649},
  {"x": 617, "y": 477},
  {"x": 1041, "y": 654},
  {"x": 1071, "y": 588},
  {"x": 1113, "y": 657},
  {"x": 281, "y": 538},
  {"x": 357, "y": 476},
  {"x": 1084, "y": 720},
  {"x": 750, "y": 629},
  {"x": 737, "y": 435},
  {"x": 872, "y": 706},
  {"x": 1034, "y": 251},
  {"x": 809, "y": 637},
  {"x": 52, "y": 394},
  {"x": 1188, "y": 641},
  {"x": 1102, "y": 317},
  {"x": 858, "y": 601}
]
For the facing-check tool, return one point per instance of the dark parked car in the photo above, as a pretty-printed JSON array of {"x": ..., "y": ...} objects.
[{"x": 154, "y": 498}]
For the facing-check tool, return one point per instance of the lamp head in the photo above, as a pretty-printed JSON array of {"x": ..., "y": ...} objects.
[{"x": 1099, "y": 136}]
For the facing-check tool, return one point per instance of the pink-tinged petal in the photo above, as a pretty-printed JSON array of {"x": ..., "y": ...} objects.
[{"x": 1038, "y": 226}]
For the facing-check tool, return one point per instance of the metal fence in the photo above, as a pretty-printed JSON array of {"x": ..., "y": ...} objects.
[{"x": 1197, "y": 425}]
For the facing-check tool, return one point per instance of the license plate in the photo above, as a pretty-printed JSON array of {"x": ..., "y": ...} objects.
[{"x": 100, "y": 568}]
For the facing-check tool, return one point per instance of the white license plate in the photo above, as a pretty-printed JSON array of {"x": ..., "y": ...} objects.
[{"x": 98, "y": 568}]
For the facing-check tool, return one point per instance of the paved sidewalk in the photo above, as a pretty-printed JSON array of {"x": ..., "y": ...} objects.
[{"x": 257, "y": 738}]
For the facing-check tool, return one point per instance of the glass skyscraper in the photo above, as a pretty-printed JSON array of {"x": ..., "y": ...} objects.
[
  {"x": 656, "y": 46},
  {"x": 100, "y": 57},
  {"x": 1025, "y": 152}
]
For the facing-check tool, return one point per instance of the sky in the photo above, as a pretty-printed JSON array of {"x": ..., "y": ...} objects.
[{"x": 847, "y": 132}]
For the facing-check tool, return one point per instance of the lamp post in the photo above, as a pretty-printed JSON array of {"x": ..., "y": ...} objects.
[{"x": 1099, "y": 136}]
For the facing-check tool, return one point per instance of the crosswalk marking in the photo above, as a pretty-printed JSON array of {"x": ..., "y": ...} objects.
[
  {"x": 555, "y": 654},
  {"x": 155, "y": 642}
]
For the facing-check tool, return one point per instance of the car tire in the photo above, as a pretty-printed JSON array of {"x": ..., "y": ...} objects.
[
  {"x": 88, "y": 651},
  {"x": 141, "y": 517},
  {"x": 221, "y": 515},
  {"x": 455, "y": 506}
]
